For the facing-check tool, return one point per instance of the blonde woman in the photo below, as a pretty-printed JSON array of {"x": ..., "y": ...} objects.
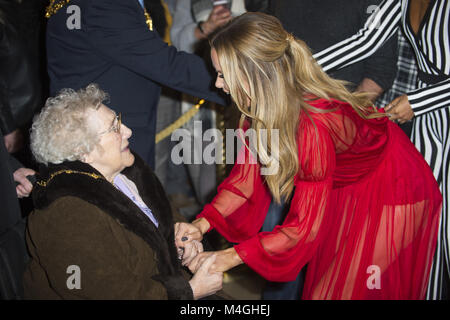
[{"x": 364, "y": 206}]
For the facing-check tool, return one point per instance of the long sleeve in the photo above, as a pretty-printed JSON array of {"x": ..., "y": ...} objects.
[
  {"x": 7, "y": 124},
  {"x": 433, "y": 58},
  {"x": 120, "y": 37},
  {"x": 379, "y": 27},
  {"x": 431, "y": 98},
  {"x": 280, "y": 254},
  {"x": 14, "y": 163},
  {"x": 238, "y": 210},
  {"x": 381, "y": 67}
]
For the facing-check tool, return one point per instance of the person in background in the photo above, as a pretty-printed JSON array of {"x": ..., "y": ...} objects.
[
  {"x": 13, "y": 185},
  {"x": 167, "y": 113},
  {"x": 115, "y": 44},
  {"x": 428, "y": 106},
  {"x": 305, "y": 20},
  {"x": 195, "y": 182},
  {"x": 20, "y": 97},
  {"x": 193, "y": 22},
  {"x": 406, "y": 78},
  {"x": 20, "y": 82}
]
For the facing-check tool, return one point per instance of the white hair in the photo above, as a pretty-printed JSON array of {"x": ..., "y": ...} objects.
[{"x": 61, "y": 132}]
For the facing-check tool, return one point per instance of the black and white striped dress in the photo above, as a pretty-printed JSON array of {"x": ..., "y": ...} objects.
[{"x": 430, "y": 102}]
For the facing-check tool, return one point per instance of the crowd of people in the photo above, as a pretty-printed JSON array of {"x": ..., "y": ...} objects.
[{"x": 342, "y": 192}]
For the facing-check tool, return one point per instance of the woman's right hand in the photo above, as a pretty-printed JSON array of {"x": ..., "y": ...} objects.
[
  {"x": 205, "y": 283},
  {"x": 185, "y": 232}
]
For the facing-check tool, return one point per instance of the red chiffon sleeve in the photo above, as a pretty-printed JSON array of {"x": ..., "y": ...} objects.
[
  {"x": 280, "y": 254},
  {"x": 240, "y": 206}
]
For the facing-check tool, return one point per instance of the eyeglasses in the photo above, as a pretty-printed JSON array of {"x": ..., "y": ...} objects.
[{"x": 114, "y": 127}]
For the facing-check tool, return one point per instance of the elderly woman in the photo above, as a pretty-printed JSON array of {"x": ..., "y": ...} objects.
[{"x": 102, "y": 226}]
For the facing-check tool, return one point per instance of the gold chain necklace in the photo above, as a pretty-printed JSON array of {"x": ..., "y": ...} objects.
[
  {"x": 43, "y": 183},
  {"x": 148, "y": 20},
  {"x": 54, "y": 8}
]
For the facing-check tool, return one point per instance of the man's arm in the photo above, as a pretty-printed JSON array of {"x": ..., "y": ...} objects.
[
  {"x": 379, "y": 27},
  {"x": 371, "y": 87},
  {"x": 380, "y": 69},
  {"x": 117, "y": 31},
  {"x": 6, "y": 118}
]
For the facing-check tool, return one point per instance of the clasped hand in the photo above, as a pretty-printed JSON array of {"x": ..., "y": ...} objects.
[
  {"x": 206, "y": 280},
  {"x": 187, "y": 240}
]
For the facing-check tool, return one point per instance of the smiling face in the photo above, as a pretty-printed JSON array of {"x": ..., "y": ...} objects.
[{"x": 112, "y": 154}]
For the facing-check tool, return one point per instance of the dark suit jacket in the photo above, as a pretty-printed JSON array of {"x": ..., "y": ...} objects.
[
  {"x": 20, "y": 85},
  {"x": 13, "y": 251},
  {"x": 114, "y": 48},
  {"x": 10, "y": 213}
]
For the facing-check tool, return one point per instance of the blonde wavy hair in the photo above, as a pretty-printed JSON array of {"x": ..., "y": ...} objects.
[
  {"x": 265, "y": 64},
  {"x": 62, "y": 132}
]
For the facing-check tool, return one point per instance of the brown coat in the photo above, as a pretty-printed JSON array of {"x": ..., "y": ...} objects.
[{"x": 86, "y": 222}]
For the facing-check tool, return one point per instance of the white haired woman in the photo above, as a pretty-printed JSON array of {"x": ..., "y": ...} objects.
[{"x": 102, "y": 227}]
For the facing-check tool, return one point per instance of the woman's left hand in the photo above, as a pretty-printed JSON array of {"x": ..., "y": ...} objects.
[
  {"x": 225, "y": 260},
  {"x": 400, "y": 110}
]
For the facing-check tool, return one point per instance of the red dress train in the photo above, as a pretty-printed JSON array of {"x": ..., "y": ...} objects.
[{"x": 364, "y": 213}]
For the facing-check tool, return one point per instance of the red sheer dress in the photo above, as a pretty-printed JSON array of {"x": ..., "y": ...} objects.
[{"x": 364, "y": 213}]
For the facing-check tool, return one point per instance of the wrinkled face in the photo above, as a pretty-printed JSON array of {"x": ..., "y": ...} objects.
[
  {"x": 112, "y": 155},
  {"x": 220, "y": 81}
]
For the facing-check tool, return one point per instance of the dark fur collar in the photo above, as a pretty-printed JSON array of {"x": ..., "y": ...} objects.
[{"x": 105, "y": 196}]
